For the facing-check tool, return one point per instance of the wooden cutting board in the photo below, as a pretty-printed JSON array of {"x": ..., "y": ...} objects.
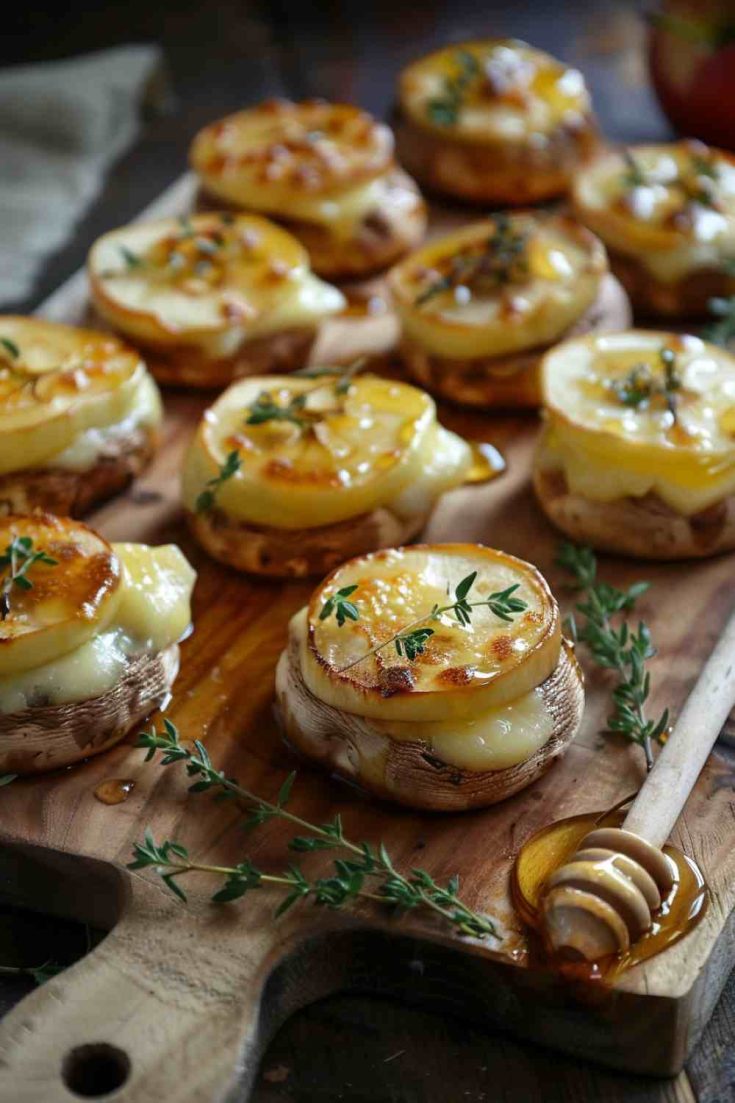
[{"x": 177, "y": 1002}]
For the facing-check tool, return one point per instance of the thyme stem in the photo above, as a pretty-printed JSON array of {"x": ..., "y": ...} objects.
[
  {"x": 171, "y": 860},
  {"x": 619, "y": 649}
]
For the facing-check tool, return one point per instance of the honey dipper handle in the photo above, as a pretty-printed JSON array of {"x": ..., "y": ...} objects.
[{"x": 664, "y": 792}]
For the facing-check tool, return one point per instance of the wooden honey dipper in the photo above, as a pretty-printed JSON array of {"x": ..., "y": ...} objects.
[{"x": 604, "y": 897}]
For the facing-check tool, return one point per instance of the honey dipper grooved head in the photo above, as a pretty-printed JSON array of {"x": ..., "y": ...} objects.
[{"x": 602, "y": 899}]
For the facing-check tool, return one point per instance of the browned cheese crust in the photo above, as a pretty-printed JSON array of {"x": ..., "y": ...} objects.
[
  {"x": 382, "y": 238},
  {"x": 406, "y": 772},
  {"x": 513, "y": 381},
  {"x": 645, "y": 528},
  {"x": 298, "y": 553},
  {"x": 46, "y": 737},
  {"x": 512, "y": 174},
  {"x": 74, "y": 493}
]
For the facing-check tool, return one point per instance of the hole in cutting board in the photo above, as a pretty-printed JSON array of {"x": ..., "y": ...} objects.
[{"x": 94, "y": 1070}]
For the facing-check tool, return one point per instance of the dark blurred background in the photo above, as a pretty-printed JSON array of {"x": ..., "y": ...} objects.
[{"x": 218, "y": 57}]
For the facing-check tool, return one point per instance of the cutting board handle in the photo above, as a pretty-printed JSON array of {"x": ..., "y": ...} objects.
[{"x": 165, "y": 1009}]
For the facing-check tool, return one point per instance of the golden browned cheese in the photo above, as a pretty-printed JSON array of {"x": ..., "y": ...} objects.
[
  {"x": 669, "y": 207},
  {"x": 60, "y": 604},
  {"x": 492, "y": 90},
  {"x": 500, "y": 286},
  {"x": 212, "y": 283},
  {"x": 292, "y": 158},
  {"x": 614, "y": 432},
  {"x": 465, "y": 668},
  {"x": 57, "y": 383},
  {"x": 333, "y": 452}
]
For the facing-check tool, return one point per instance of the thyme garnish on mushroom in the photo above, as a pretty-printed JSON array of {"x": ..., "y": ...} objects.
[
  {"x": 10, "y": 348},
  {"x": 499, "y": 260},
  {"x": 208, "y": 497},
  {"x": 18, "y": 558},
  {"x": 366, "y": 873},
  {"x": 265, "y": 408},
  {"x": 444, "y": 108},
  {"x": 640, "y": 386},
  {"x": 618, "y": 648},
  {"x": 411, "y": 640}
]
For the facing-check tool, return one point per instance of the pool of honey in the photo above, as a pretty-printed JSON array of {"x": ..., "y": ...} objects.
[{"x": 550, "y": 848}]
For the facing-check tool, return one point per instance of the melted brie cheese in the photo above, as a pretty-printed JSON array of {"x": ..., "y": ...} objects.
[
  {"x": 508, "y": 92},
  {"x": 608, "y": 449},
  {"x": 152, "y": 613},
  {"x": 84, "y": 452},
  {"x": 464, "y": 669},
  {"x": 378, "y": 444},
  {"x": 213, "y": 282},
  {"x": 58, "y": 383},
  {"x": 452, "y": 310},
  {"x": 313, "y": 161},
  {"x": 672, "y": 207},
  {"x": 493, "y": 740}
]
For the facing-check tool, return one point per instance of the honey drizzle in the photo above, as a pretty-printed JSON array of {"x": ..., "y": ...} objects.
[
  {"x": 114, "y": 790},
  {"x": 487, "y": 463},
  {"x": 553, "y": 846}
]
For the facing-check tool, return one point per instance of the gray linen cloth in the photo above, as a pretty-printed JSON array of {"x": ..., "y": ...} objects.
[{"x": 62, "y": 124}]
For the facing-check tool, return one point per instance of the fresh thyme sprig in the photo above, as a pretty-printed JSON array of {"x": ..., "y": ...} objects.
[
  {"x": 411, "y": 640},
  {"x": 19, "y": 557},
  {"x": 634, "y": 176},
  {"x": 339, "y": 604},
  {"x": 368, "y": 872},
  {"x": 208, "y": 497},
  {"x": 444, "y": 108},
  {"x": 500, "y": 260},
  {"x": 40, "y": 973},
  {"x": 615, "y": 648},
  {"x": 265, "y": 408},
  {"x": 641, "y": 385}
]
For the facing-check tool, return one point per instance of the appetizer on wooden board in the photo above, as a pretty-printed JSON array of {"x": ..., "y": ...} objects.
[
  {"x": 89, "y": 637},
  {"x": 210, "y": 297},
  {"x": 494, "y": 121},
  {"x": 667, "y": 216},
  {"x": 289, "y": 476},
  {"x": 638, "y": 452},
  {"x": 435, "y": 676},
  {"x": 478, "y": 307},
  {"x": 79, "y": 416},
  {"x": 323, "y": 170}
]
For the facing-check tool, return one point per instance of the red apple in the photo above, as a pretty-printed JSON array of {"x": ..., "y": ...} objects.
[{"x": 692, "y": 63}]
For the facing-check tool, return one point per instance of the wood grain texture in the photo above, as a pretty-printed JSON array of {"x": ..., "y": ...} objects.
[{"x": 144, "y": 986}]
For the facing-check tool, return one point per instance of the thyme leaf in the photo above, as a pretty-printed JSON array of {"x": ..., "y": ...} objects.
[
  {"x": 18, "y": 558},
  {"x": 640, "y": 386},
  {"x": 10, "y": 347},
  {"x": 444, "y": 109},
  {"x": 500, "y": 259},
  {"x": 208, "y": 497},
  {"x": 411, "y": 640},
  {"x": 615, "y": 646},
  {"x": 366, "y": 872}
]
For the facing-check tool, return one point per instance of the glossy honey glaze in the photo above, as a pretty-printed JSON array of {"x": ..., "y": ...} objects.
[
  {"x": 553, "y": 846},
  {"x": 487, "y": 463},
  {"x": 114, "y": 790}
]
